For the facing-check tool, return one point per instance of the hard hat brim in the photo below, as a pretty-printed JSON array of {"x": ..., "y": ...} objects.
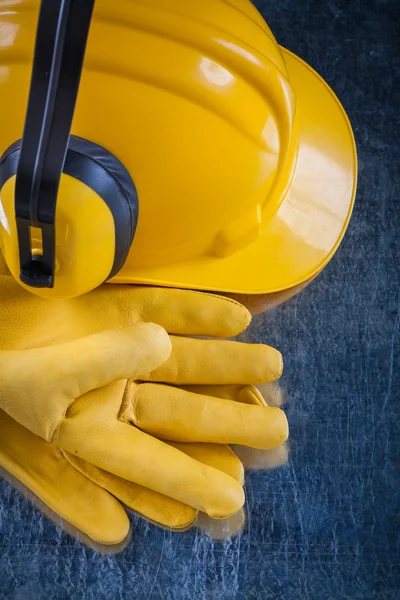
[{"x": 309, "y": 225}]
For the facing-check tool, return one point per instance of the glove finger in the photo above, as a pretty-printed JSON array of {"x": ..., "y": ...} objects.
[
  {"x": 43, "y": 470},
  {"x": 219, "y": 456},
  {"x": 183, "y": 312},
  {"x": 102, "y": 358},
  {"x": 156, "y": 507},
  {"x": 188, "y": 312},
  {"x": 250, "y": 458},
  {"x": 131, "y": 454},
  {"x": 151, "y": 505},
  {"x": 174, "y": 414},
  {"x": 216, "y": 362}
]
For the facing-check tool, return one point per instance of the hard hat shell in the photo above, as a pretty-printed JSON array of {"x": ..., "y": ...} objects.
[{"x": 243, "y": 159}]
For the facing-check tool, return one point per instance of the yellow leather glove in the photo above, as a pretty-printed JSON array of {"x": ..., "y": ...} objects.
[
  {"x": 51, "y": 378},
  {"x": 88, "y": 497}
]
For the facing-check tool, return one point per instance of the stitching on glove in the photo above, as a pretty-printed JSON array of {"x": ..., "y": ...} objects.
[
  {"x": 280, "y": 369},
  {"x": 186, "y": 524},
  {"x": 254, "y": 395},
  {"x": 56, "y": 432},
  {"x": 168, "y": 527},
  {"x": 241, "y": 474},
  {"x": 64, "y": 416}
]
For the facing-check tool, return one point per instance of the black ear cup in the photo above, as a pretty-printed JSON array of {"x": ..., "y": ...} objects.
[{"x": 102, "y": 172}]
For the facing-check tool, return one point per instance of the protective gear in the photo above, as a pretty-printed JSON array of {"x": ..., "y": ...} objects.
[
  {"x": 73, "y": 390},
  {"x": 86, "y": 497},
  {"x": 236, "y": 166}
]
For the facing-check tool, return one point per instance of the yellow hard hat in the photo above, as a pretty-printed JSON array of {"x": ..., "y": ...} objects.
[{"x": 165, "y": 142}]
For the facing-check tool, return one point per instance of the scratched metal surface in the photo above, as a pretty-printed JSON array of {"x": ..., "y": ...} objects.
[{"x": 326, "y": 525}]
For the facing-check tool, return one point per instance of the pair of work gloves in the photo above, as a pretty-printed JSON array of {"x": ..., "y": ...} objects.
[{"x": 106, "y": 401}]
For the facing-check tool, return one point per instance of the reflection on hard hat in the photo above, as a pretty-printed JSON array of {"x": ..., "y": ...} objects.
[
  {"x": 8, "y": 33},
  {"x": 215, "y": 73}
]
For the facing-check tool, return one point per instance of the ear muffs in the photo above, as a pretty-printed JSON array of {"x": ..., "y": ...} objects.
[
  {"x": 102, "y": 172},
  {"x": 69, "y": 208}
]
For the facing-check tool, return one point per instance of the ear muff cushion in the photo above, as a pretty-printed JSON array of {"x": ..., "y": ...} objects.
[{"x": 105, "y": 174}]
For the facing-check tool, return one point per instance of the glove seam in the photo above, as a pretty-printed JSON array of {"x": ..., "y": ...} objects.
[
  {"x": 56, "y": 433},
  {"x": 254, "y": 395},
  {"x": 279, "y": 375},
  {"x": 173, "y": 528},
  {"x": 242, "y": 474},
  {"x": 186, "y": 524},
  {"x": 126, "y": 413}
]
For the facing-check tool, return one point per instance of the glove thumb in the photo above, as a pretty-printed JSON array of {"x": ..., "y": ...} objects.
[
  {"x": 38, "y": 385},
  {"x": 123, "y": 353}
]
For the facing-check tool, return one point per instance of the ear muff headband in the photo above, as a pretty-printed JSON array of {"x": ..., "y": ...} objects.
[{"x": 62, "y": 34}]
